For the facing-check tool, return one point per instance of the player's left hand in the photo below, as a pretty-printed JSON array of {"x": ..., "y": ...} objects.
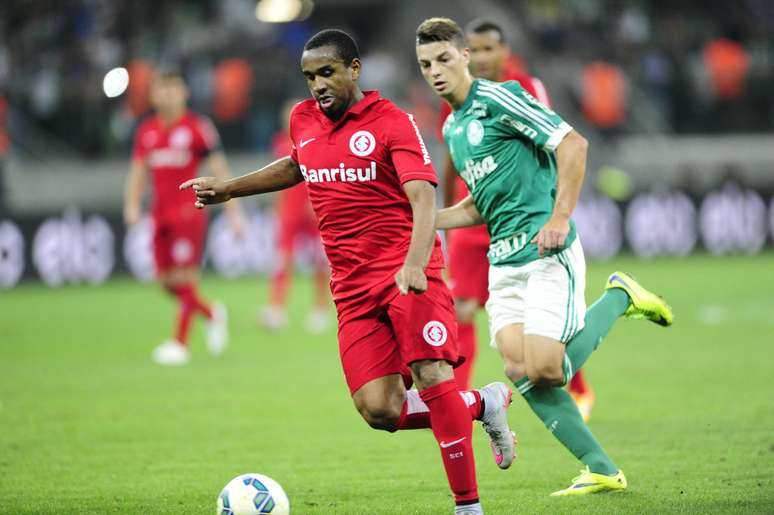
[
  {"x": 552, "y": 234},
  {"x": 411, "y": 278}
]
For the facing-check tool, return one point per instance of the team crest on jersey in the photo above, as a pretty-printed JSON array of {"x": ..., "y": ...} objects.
[
  {"x": 180, "y": 138},
  {"x": 362, "y": 143},
  {"x": 435, "y": 333},
  {"x": 475, "y": 132}
]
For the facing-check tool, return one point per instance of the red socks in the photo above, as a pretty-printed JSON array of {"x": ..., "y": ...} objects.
[
  {"x": 416, "y": 414},
  {"x": 450, "y": 421},
  {"x": 279, "y": 287},
  {"x": 468, "y": 347},
  {"x": 578, "y": 383},
  {"x": 190, "y": 303}
]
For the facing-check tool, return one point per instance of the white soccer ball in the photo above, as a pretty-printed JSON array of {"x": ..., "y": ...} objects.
[{"x": 253, "y": 494}]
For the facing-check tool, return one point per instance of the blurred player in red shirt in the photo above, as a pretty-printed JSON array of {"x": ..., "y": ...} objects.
[
  {"x": 295, "y": 222},
  {"x": 371, "y": 184},
  {"x": 169, "y": 145},
  {"x": 468, "y": 247}
]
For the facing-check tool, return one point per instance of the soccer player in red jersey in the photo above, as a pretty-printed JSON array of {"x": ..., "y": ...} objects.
[
  {"x": 467, "y": 247},
  {"x": 371, "y": 184},
  {"x": 295, "y": 221},
  {"x": 169, "y": 146}
]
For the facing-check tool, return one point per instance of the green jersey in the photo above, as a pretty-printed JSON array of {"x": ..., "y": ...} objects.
[{"x": 502, "y": 142}]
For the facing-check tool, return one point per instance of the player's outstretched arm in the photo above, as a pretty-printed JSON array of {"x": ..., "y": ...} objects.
[
  {"x": 462, "y": 214},
  {"x": 571, "y": 168},
  {"x": 282, "y": 173},
  {"x": 411, "y": 277}
]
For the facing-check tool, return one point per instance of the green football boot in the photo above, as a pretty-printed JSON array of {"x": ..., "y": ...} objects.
[{"x": 642, "y": 303}]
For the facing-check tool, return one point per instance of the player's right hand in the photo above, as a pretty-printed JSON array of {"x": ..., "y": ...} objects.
[{"x": 209, "y": 190}]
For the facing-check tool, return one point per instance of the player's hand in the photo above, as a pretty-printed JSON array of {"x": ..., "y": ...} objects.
[
  {"x": 132, "y": 215},
  {"x": 209, "y": 190},
  {"x": 552, "y": 235},
  {"x": 411, "y": 278}
]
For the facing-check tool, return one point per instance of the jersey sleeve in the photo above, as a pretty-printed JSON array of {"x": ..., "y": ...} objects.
[
  {"x": 519, "y": 114},
  {"x": 291, "y": 133},
  {"x": 207, "y": 136},
  {"x": 408, "y": 151}
]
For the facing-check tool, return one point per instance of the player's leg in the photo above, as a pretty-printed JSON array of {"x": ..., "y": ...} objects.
[
  {"x": 319, "y": 319},
  {"x": 468, "y": 271},
  {"x": 274, "y": 316},
  {"x": 468, "y": 346},
  {"x": 424, "y": 327}
]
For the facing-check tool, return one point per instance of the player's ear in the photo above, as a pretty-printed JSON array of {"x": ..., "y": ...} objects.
[{"x": 354, "y": 68}]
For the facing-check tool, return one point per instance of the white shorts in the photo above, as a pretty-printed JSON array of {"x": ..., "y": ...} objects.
[{"x": 546, "y": 295}]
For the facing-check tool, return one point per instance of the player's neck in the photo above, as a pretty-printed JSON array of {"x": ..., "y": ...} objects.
[
  {"x": 169, "y": 117},
  {"x": 457, "y": 97}
]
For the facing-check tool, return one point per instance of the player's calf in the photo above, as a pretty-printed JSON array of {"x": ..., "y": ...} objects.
[{"x": 380, "y": 402}]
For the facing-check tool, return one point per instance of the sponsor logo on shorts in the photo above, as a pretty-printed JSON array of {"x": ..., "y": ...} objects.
[{"x": 435, "y": 333}]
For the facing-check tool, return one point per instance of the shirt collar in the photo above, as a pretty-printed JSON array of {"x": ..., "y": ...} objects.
[
  {"x": 369, "y": 98},
  {"x": 471, "y": 96}
]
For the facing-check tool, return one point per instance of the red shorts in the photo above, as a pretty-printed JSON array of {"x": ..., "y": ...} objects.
[
  {"x": 179, "y": 243},
  {"x": 409, "y": 328},
  {"x": 468, "y": 266}
]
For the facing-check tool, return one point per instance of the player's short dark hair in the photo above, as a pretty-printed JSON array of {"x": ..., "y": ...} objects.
[
  {"x": 434, "y": 30},
  {"x": 345, "y": 46},
  {"x": 480, "y": 25},
  {"x": 168, "y": 72}
]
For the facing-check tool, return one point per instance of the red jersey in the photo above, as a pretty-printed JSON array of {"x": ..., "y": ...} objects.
[
  {"x": 354, "y": 170},
  {"x": 173, "y": 154}
]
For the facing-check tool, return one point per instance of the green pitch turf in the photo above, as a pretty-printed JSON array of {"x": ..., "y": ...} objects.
[{"x": 89, "y": 425}]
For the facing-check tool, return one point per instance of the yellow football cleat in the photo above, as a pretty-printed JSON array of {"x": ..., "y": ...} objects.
[
  {"x": 590, "y": 483},
  {"x": 642, "y": 303},
  {"x": 585, "y": 402}
]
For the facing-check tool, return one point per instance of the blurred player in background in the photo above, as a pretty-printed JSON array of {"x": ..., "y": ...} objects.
[
  {"x": 295, "y": 222},
  {"x": 170, "y": 145},
  {"x": 524, "y": 167},
  {"x": 371, "y": 183},
  {"x": 490, "y": 59}
]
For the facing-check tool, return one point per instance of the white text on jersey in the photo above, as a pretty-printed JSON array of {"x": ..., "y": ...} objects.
[
  {"x": 475, "y": 170},
  {"x": 340, "y": 174}
]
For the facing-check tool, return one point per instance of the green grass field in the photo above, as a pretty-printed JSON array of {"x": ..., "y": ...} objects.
[{"x": 89, "y": 425}]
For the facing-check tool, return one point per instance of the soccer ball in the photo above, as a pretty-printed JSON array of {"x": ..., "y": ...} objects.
[{"x": 253, "y": 494}]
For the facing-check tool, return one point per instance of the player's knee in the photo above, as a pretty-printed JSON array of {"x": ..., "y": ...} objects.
[
  {"x": 465, "y": 310},
  {"x": 382, "y": 416},
  {"x": 545, "y": 373},
  {"x": 514, "y": 371}
]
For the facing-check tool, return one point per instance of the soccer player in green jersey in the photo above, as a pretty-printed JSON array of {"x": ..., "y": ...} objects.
[{"x": 524, "y": 167}]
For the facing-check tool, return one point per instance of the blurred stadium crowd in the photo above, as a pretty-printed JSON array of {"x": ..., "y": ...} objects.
[
  {"x": 624, "y": 66},
  {"x": 675, "y": 97}
]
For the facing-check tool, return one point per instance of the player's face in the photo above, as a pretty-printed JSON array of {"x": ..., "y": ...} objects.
[
  {"x": 331, "y": 82},
  {"x": 169, "y": 94},
  {"x": 487, "y": 55},
  {"x": 443, "y": 65}
]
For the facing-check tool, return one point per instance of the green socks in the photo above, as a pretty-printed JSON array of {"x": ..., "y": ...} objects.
[
  {"x": 600, "y": 317},
  {"x": 558, "y": 412}
]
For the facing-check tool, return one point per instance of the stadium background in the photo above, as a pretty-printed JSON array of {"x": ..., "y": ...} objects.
[{"x": 675, "y": 97}]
